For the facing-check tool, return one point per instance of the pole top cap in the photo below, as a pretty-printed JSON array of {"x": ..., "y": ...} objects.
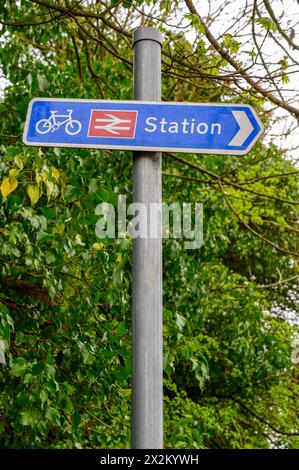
[{"x": 146, "y": 33}]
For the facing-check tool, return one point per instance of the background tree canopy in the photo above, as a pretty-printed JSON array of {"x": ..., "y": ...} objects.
[{"x": 231, "y": 371}]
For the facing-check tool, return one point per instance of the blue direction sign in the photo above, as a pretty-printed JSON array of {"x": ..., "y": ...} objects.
[{"x": 137, "y": 125}]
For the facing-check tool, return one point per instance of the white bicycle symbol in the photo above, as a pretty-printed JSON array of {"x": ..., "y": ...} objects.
[{"x": 72, "y": 126}]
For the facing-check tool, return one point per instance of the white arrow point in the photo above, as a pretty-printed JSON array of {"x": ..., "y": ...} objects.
[{"x": 245, "y": 130}]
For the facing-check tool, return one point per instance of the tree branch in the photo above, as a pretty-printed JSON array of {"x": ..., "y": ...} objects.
[
  {"x": 279, "y": 28},
  {"x": 39, "y": 293},
  {"x": 274, "y": 428},
  {"x": 242, "y": 71}
]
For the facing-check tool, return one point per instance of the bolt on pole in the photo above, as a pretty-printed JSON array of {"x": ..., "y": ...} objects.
[{"x": 147, "y": 383}]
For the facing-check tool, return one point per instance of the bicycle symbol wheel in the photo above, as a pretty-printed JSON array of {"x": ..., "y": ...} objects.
[
  {"x": 43, "y": 126},
  {"x": 73, "y": 127}
]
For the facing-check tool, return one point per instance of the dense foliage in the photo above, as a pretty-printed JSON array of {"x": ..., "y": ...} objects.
[{"x": 65, "y": 295}]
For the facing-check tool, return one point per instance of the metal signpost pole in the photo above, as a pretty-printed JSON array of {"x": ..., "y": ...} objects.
[{"x": 147, "y": 384}]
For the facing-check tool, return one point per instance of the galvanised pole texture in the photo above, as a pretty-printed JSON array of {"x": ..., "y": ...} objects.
[{"x": 147, "y": 385}]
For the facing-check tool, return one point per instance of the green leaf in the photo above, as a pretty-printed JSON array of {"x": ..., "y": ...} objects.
[
  {"x": 27, "y": 418},
  {"x": 19, "y": 367},
  {"x": 43, "y": 396},
  {"x": 69, "y": 405},
  {"x": 76, "y": 419},
  {"x": 52, "y": 386},
  {"x": 267, "y": 23},
  {"x": 53, "y": 416},
  {"x": 236, "y": 293},
  {"x": 37, "y": 368}
]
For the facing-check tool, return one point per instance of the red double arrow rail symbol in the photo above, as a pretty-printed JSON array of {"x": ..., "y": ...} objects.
[{"x": 113, "y": 124}]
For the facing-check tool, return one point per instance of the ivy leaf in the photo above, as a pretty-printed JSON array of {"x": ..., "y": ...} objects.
[
  {"x": 13, "y": 173},
  {"x": 19, "y": 162},
  {"x": 33, "y": 193},
  {"x": 8, "y": 186}
]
